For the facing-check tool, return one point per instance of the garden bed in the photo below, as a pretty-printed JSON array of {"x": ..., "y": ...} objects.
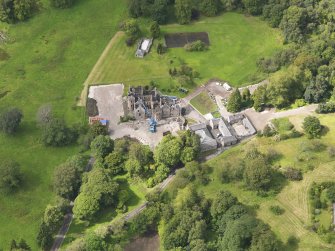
[{"x": 176, "y": 40}]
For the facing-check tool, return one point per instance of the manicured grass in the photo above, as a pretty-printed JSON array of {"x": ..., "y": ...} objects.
[
  {"x": 203, "y": 103},
  {"x": 236, "y": 41},
  {"x": 50, "y": 57},
  {"x": 294, "y": 196}
]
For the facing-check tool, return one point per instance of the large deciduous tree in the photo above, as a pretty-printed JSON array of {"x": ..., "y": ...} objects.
[
  {"x": 101, "y": 146},
  {"x": 183, "y": 11},
  {"x": 209, "y": 7},
  {"x": 10, "y": 120},
  {"x": 10, "y": 176},
  {"x": 67, "y": 177},
  {"x": 257, "y": 173},
  {"x": 57, "y": 133},
  {"x": 99, "y": 190},
  {"x": 294, "y": 24},
  {"x": 17, "y": 10},
  {"x": 168, "y": 151}
]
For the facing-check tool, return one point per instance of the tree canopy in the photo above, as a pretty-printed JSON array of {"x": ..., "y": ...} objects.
[
  {"x": 10, "y": 176},
  {"x": 10, "y": 120}
]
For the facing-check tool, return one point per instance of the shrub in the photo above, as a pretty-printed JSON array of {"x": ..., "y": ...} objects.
[
  {"x": 268, "y": 131},
  {"x": 331, "y": 151},
  {"x": 196, "y": 46},
  {"x": 282, "y": 124},
  {"x": 277, "y": 210},
  {"x": 326, "y": 107},
  {"x": 293, "y": 174},
  {"x": 155, "y": 30}
]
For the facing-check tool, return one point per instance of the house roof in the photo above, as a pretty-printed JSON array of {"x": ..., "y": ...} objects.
[
  {"x": 197, "y": 127},
  {"x": 224, "y": 129}
]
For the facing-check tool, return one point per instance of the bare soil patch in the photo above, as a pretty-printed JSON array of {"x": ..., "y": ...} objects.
[
  {"x": 145, "y": 243},
  {"x": 175, "y": 40}
]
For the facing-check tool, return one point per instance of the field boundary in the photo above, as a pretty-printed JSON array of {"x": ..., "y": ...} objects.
[{"x": 91, "y": 76}]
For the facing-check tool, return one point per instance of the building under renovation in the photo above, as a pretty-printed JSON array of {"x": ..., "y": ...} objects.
[{"x": 144, "y": 103}]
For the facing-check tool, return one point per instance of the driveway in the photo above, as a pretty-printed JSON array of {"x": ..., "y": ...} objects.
[{"x": 260, "y": 119}]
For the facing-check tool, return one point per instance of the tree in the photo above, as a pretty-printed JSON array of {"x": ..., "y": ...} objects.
[
  {"x": 53, "y": 217},
  {"x": 160, "y": 49},
  {"x": 97, "y": 129},
  {"x": 159, "y": 11},
  {"x": 134, "y": 168},
  {"x": 257, "y": 174},
  {"x": 17, "y": 10},
  {"x": 209, "y": 8},
  {"x": 10, "y": 120},
  {"x": 155, "y": 30},
  {"x": 259, "y": 98},
  {"x": 263, "y": 239},
  {"x": 254, "y": 7},
  {"x": 44, "y": 114},
  {"x": 134, "y": 8},
  {"x": 101, "y": 146},
  {"x": 62, "y": 4},
  {"x": 114, "y": 162},
  {"x": 294, "y": 24},
  {"x": 98, "y": 191},
  {"x": 312, "y": 127},
  {"x": 56, "y": 133},
  {"x": 230, "y": 5},
  {"x": 94, "y": 242},
  {"x": 21, "y": 246},
  {"x": 10, "y": 176},
  {"x": 285, "y": 87},
  {"x": 131, "y": 28},
  {"x": 44, "y": 236},
  {"x": 221, "y": 203},
  {"x": 246, "y": 95},
  {"x": 168, "y": 151},
  {"x": 233, "y": 213},
  {"x": 238, "y": 234},
  {"x": 67, "y": 177},
  {"x": 183, "y": 11},
  {"x": 141, "y": 153},
  {"x": 331, "y": 193},
  {"x": 235, "y": 101}
]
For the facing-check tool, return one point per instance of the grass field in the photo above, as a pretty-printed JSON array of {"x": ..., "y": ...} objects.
[
  {"x": 294, "y": 196},
  {"x": 203, "y": 103},
  {"x": 50, "y": 57},
  {"x": 236, "y": 41}
]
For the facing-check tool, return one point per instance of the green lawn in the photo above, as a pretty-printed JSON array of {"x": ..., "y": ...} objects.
[
  {"x": 294, "y": 196},
  {"x": 203, "y": 103},
  {"x": 50, "y": 57},
  {"x": 237, "y": 42}
]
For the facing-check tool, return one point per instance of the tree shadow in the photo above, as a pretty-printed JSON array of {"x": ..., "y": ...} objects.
[
  {"x": 124, "y": 185},
  {"x": 324, "y": 130}
]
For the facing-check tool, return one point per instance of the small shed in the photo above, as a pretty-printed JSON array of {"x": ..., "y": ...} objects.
[
  {"x": 143, "y": 47},
  {"x": 227, "y": 87}
]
